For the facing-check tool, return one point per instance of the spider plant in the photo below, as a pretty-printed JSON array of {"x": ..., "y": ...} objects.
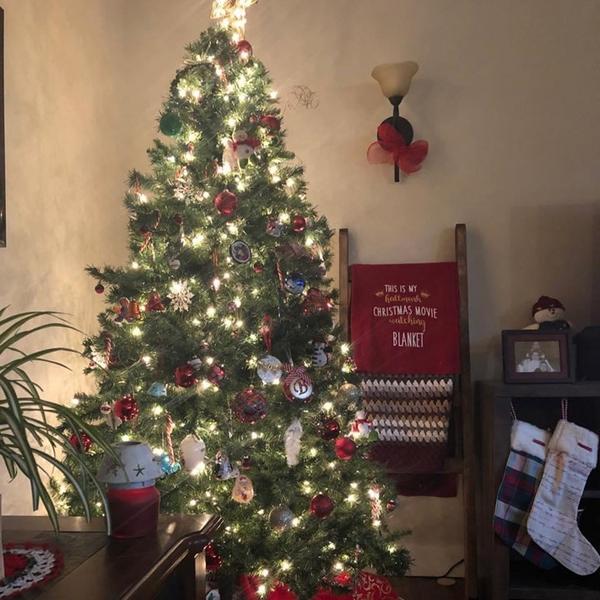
[{"x": 32, "y": 429}]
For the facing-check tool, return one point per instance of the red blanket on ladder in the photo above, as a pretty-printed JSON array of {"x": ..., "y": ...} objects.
[{"x": 405, "y": 318}]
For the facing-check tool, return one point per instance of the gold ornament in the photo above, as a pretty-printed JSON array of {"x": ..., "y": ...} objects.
[
  {"x": 243, "y": 490},
  {"x": 232, "y": 14}
]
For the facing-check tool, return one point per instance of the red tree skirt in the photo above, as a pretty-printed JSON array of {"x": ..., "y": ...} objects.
[
  {"x": 366, "y": 587},
  {"x": 28, "y": 566}
]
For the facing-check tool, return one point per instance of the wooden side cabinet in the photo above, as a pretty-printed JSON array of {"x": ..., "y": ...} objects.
[
  {"x": 503, "y": 574},
  {"x": 166, "y": 565}
]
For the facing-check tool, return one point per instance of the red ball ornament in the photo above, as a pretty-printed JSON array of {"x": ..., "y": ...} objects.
[
  {"x": 126, "y": 408},
  {"x": 226, "y": 203},
  {"x": 81, "y": 443},
  {"x": 185, "y": 376},
  {"x": 213, "y": 559},
  {"x": 246, "y": 463},
  {"x": 270, "y": 122},
  {"x": 329, "y": 429},
  {"x": 298, "y": 223},
  {"x": 99, "y": 289},
  {"x": 249, "y": 406},
  {"x": 244, "y": 49},
  {"x": 178, "y": 219},
  {"x": 321, "y": 506},
  {"x": 258, "y": 268},
  {"x": 216, "y": 375},
  {"x": 345, "y": 448}
]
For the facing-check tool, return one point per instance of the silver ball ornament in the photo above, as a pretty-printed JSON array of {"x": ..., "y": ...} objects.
[
  {"x": 281, "y": 518},
  {"x": 349, "y": 392}
]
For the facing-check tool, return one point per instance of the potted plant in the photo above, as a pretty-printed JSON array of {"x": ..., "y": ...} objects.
[{"x": 36, "y": 433}]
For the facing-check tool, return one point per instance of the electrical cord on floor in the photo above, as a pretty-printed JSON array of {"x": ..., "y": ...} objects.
[{"x": 445, "y": 579}]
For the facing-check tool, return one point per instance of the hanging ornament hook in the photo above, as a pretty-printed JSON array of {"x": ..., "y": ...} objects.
[{"x": 564, "y": 408}]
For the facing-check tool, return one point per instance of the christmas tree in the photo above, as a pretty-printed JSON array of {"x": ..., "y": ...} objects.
[{"x": 218, "y": 346}]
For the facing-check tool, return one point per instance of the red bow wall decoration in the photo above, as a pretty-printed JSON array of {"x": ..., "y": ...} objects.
[{"x": 391, "y": 148}]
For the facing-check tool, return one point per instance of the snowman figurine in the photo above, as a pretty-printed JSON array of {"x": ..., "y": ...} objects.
[
  {"x": 238, "y": 150},
  {"x": 549, "y": 314},
  {"x": 361, "y": 426},
  {"x": 321, "y": 352}
]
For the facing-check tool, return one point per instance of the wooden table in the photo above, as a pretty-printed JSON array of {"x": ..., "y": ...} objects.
[{"x": 167, "y": 564}]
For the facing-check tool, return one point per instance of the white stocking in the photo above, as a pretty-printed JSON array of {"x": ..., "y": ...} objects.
[{"x": 572, "y": 454}]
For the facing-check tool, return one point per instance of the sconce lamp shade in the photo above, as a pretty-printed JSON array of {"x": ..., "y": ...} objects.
[
  {"x": 394, "y": 78},
  {"x": 137, "y": 468}
]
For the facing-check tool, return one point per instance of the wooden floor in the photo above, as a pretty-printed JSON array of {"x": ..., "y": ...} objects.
[{"x": 424, "y": 588}]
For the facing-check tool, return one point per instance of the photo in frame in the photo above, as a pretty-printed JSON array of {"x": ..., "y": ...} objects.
[{"x": 537, "y": 356}]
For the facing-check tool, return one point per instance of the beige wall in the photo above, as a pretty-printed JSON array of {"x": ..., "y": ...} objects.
[
  {"x": 508, "y": 96},
  {"x": 66, "y": 141}
]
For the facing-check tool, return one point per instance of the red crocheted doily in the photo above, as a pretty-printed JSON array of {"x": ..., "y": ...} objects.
[{"x": 28, "y": 566}]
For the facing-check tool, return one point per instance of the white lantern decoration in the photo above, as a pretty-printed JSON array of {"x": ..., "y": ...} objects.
[{"x": 192, "y": 450}]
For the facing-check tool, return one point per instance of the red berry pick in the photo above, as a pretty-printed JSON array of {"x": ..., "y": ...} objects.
[{"x": 81, "y": 443}]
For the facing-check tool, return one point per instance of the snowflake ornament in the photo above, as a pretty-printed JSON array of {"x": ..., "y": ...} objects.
[{"x": 180, "y": 295}]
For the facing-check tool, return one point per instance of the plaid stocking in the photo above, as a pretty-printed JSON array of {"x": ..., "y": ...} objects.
[{"x": 522, "y": 475}]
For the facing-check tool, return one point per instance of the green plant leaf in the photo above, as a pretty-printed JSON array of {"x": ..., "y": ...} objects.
[{"x": 24, "y": 415}]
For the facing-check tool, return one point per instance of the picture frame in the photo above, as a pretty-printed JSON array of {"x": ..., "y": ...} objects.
[{"x": 537, "y": 356}]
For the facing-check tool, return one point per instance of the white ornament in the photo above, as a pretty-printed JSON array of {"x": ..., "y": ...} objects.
[
  {"x": 193, "y": 452},
  {"x": 269, "y": 369},
  {"x": 180, "y": 295},
  {"x": 195, "y": 363},
  {"x": 181, "y": 191},
  {"x": 99, "y": 359},
  {"x": 241, "y": 147},
  {"x": 291, "y": 439},
  {"x": 361, "y": 427},
  {"x": 229, "y": 160}
]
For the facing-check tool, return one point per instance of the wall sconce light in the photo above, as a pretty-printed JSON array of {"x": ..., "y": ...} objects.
[{"x": 394, "y": 143}]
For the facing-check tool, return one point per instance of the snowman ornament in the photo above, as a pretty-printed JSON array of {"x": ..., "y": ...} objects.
[
  {"x": 548, "y": 314},
  {"x": 361, "y": 426},
  {"x": 238, "y": 150},
  {"x": 321, "y": 352}
]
